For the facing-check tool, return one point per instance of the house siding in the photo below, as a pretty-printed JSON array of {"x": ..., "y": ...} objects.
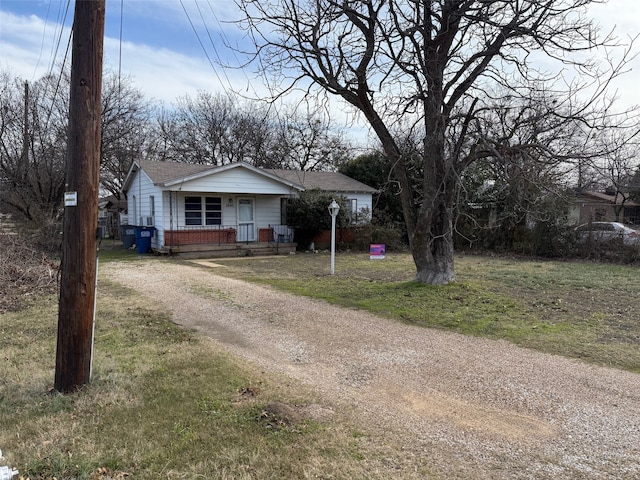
[
  {"x": 235, "y": 181},
  {"x": 364, "y": 201},
  {"x": 267, "y": 212},
  {"x": 139, "y": 204}
]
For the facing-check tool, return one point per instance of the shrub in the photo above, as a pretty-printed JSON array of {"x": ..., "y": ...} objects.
[{"x": 25, "y": 271}]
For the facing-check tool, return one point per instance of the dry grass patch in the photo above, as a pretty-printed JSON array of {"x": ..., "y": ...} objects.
[{"x": 164, "y": 403}]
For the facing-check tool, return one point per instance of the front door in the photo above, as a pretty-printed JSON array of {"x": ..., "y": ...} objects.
[{"x": 246, "y": 222}]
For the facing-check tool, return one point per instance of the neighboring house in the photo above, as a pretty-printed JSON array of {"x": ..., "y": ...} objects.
[
  {"x": 603, "y": 207},
  {"x": 110, "y": 211},
  {"x": 225, "y": 209}
]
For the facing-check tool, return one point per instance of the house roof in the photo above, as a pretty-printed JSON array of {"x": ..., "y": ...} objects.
[
  {"x": 161, "y": 172},
  {"x": 600, "y": 197},
  {"x": 328, "y": 181},
  {"x": 164, "y": 173},
  {"x": 112, "y": 201}
]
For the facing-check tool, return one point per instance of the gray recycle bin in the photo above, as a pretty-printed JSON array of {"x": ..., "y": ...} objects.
[{"x": 128, "y": 235}]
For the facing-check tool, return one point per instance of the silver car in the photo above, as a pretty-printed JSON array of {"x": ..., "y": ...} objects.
[{"x": 602, "y": 232}]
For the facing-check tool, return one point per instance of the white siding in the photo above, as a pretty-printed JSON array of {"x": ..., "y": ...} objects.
[
  {"x": 364, "y": 200},
  {"x": 235, "y": 181},
  {"x": 267, "y": 209},
  {"x": 138, "y": 201}
]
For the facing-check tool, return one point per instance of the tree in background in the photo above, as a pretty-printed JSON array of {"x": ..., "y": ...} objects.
[
  {"x": 221, "y": 129},
  {"x": 527, "y": 152},
  {"x": 373, "y": 169},
  {"x": 33, "y": 133},
  {"x": 126, "y": 130},
  {"x": 33, "y": 140},
  {"x": 307, "y": 141},
  {"x": 615, "y": 170},
  {"x": 427, "y": 71}
]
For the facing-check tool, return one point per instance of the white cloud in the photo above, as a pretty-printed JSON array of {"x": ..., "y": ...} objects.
[{"x": 28, "y": 44}]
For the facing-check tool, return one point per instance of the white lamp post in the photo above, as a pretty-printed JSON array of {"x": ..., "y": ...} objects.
[{"x": 333, "y": 210}]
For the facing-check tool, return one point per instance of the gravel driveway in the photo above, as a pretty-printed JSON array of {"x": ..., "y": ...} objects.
[{"x": 465, "y": 407}]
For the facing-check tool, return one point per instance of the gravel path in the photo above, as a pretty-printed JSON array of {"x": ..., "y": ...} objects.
[{"x": 465, "y": 407}]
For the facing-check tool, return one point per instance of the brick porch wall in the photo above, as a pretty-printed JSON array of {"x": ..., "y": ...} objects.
[
  {"x": 265, "y": 234},
  {"x": 174, "y": 238}
]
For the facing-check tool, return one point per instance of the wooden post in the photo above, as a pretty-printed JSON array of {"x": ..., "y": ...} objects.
[{"x": 79, "y": 242}]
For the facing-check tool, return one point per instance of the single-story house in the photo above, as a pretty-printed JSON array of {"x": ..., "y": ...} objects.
[
  {"x": 225, "y": 210},
  {"x": 603, "y": 207},
  {"x": 110, "y": 212}
]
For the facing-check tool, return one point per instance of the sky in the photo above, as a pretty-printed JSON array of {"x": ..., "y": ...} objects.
[
  {"x": 174, "y": 47},
  {"x": 160, "y": 50}
]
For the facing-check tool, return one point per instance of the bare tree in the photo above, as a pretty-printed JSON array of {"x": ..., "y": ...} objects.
[
  {"x": 220, "y": 129},
  {"x": 33, "y": 121},
  {"x": 213, "y": 129},
  {"x": 617, "y": 167},
  {"x": 423, "y": 69},
  {"x": 33, "y": 140},
  {"x": 307, "y": 140},
  {"x": 126, "y": 130}
]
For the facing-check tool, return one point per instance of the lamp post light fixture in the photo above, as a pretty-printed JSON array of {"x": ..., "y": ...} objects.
[{"x": 333, "y": 210}]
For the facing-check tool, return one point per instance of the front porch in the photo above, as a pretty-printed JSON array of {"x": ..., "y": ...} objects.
[{"x": 227, "y": 241}]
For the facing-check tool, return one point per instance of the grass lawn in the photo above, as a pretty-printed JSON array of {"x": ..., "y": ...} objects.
[
  {"x": 576, "y": 309},
  {"x": 163, "y": 403}
]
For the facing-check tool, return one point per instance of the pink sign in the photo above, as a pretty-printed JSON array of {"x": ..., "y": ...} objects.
[{"x": 377, "y": 251}]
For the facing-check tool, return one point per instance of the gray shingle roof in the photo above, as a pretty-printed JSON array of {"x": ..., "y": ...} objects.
[
  {"x": 328, "y": 181},
  {"x": 162, "y": 171}
]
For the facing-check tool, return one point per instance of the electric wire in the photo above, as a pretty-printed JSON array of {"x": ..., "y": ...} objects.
[
  {"x": 59, "y": 80},
  {"x": 120, "y": 47},
  {"x": 227, "y": 42},
  {"x": 62, "y": 19},
  {"x": 44, "y": 34},
  {"x": 215, "y": 50},
  {"x": 195, "y": 31}
]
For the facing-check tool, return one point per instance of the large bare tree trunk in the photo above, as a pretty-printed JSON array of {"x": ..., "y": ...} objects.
[{"x": 431, "y": 244}]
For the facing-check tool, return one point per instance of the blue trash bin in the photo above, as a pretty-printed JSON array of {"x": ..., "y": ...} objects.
[{"x": 143, "y": 239}]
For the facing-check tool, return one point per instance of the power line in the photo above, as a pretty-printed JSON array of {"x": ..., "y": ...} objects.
[
  {"x": 215, "y": 50},
  {"x": 56, "y": 45},
  {"x": 202, "y": 45},
  {"x": 120, "y": 46},
  {"x": 226, "y": 42}
]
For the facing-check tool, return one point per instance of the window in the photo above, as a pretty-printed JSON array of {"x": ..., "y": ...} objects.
[
  {"x": 213, "y": 210},
  {"x": 353, "y": 210},
  {"x": 195, "y": 215},
  {"x": 285, "y": 205},
  {"x": 193, "y": 210},
  {"x": 152, "y": 205}
]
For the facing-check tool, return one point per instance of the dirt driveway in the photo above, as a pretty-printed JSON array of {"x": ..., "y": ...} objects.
[{"x": 464, "y": 407}]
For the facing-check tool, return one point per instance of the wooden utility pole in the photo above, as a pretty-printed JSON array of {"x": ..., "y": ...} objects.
[{"x": 79, "y": 242}]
